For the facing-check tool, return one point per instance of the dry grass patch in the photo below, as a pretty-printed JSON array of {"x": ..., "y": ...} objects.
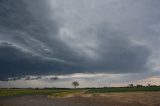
[{"x": 146, "y": 98}]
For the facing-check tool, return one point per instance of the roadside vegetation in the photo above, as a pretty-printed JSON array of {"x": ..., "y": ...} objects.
[
  {"x": 123, "y": 89},
  {"x": 14, "y": 92},
  {"x": 58, "y": 92}
]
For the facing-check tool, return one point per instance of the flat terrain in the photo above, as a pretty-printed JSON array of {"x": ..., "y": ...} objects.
[
  {"x": 86, "y": 99},
  {"x": 65, "y": 91}
]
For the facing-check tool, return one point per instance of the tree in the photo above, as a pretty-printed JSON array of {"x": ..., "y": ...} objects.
[
  {"x": 130, "y": 85},
  {"x": 139, "y": 85},
  {"x": 75, "y": 84}
]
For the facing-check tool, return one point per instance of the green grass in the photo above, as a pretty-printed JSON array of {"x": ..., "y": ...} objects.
[
  {"x": 50, "y": 92},
  {"x": 122, "y": 89},
  {"x": 14, "y": 92},
  {"x": 64, "y": 92}
]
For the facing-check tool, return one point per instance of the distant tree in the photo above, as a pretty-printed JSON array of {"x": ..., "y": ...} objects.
[
  {"x": 153, "y": 85},
  {"x": 130, "y": 85},
  {"x": 139, "y": 85},
  {"x": 75, "y": 84},
  {"x": 149, "y": 84}
]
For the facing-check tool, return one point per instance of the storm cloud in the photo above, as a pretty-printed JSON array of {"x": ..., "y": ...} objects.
[{"x": 65, "y": 37}]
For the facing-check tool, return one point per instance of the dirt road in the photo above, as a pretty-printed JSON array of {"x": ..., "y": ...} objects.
[{"x": 111, "y": 99}]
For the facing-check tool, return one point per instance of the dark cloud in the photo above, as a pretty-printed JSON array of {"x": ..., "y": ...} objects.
[
  {"x": 54, "y": 78},
  {"x": 19, "y": 27},
  {"x": 36, "y": 40},
  {"x": 118, "y": 54},
  {"x": 17, "y": 62},
  {"x": 34, "y": 78}
]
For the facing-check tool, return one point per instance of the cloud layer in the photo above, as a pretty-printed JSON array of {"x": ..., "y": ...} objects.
[{"x": 61, "y": 37}]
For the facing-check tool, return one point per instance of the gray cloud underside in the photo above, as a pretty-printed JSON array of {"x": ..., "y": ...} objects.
[{"x": 58, "y": 36}]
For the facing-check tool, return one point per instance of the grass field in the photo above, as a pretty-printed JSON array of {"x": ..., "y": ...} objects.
[
  {"x": 123, "y": 89},
  {"x": 53, "y": 92},
  {"x": 64, "y": 92}
]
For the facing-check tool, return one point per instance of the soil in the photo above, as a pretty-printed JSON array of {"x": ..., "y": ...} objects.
[{"x": 109, "y": 99}]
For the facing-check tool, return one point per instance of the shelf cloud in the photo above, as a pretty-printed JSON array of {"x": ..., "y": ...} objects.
[{"x": 87, "y": 36}]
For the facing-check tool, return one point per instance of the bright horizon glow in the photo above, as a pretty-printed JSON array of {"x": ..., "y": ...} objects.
[{"x": 84, "y": 79}]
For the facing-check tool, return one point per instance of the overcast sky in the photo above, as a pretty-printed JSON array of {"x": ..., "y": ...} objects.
[{"x": 108, "y": 42}]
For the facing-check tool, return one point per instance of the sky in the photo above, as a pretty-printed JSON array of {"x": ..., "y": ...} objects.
[{"x": 96, "y": 42}]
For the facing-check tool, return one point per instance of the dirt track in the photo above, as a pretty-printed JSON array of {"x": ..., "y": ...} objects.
[{"x": 112, "y": 99}]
